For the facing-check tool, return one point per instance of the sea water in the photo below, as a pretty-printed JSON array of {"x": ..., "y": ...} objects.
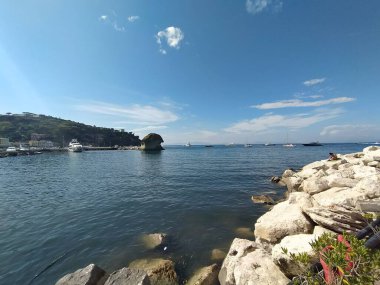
[{"x": 62, "y": 211}]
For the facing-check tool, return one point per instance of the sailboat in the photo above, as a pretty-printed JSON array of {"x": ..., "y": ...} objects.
[
  {"x": 188, "y": 144},
  {"x": 287, "y": 143}
]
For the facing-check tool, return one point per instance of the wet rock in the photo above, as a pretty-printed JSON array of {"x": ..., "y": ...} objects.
[
  {"x": 205, "y": 276},
  {"x": 160, "y": 271},
  {"x": 244, "y": 232},
  {"x": 90, "y": 275},
  {"x": 248, "y": 263},
  {"x": 218, "y": 254},
  {"x": 155, "y": 240},
  {"x": 262, "y": 199},
  {"x": 128, "y": 276},
  {"x": 152, "y": 142},
  {"x": 275, "y": 179}
]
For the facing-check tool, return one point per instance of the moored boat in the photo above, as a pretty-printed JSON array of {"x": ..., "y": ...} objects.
[
  {"x": 75, "y": 146},
  {"x": 312, "y": 144},
  {"x": 11, "y": 151}
]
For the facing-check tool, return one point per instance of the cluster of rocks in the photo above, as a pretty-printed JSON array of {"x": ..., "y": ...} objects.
[
  {"x": 155, "y": 271},
  {"x": 324, "y": 196}
]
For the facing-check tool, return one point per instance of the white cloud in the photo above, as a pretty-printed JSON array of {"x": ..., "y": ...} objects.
[
  {"x": 314, "y": 81},
  {"x": 111, "y": 20},
  {"x": 133, "y": 18},
  {"x": 272, "y": 121},
  {"x": 149, "y": 128},
  {"x": 103, "y": 18},
  {"x": 301, "y": 103},
  {"x": 137, "y": 114},
  {"x": 338, "y": 130},
  {"x": 172, "y": 36},
  {"x": 258, "y": 6}
]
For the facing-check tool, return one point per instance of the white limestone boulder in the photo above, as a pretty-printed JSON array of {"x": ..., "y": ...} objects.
[
  {"x": 293, "y": 183},
  {"x": 285, "y": 218},
  {"x": 314, "y": 185},
  {"x": 338, "y": 179},
  {"x": 321, "y": 164},
  {"x": 247, "y": 263},
  {"x": 339, "y": 196},
  {"x": 369, "y": 186},
  {"x": 293, "y": 244},
  {"x": 372, "y": 153},
  {"x": 362, "y": 171}
]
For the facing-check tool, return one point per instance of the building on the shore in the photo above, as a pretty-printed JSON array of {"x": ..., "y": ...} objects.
[
  {"x": 41, "y": 143},
  {"x": 4, "y": 142}
]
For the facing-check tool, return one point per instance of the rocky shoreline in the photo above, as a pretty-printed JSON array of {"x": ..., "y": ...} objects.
[{"x": 324, "y": 196}]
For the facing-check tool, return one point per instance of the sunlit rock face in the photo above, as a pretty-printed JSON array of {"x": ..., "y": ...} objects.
[{"x": 152, "y": 142}]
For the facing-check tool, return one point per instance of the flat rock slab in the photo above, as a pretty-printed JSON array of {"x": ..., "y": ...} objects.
[
  {"x": 160, "y": 271},
  {"x": 205, "y": 276},
  {"x": 90, "y": 275},
  {"x": 128, "y": 276}
]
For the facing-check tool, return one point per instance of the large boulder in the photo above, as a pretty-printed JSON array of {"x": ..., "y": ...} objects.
[
  {"x": 152, "y": 142},
  {"x": 362, "y": 171},
  {"x": 160, "y": 271},
  {"x": 292, "y": 183},
  {"x": 205, "y": 276},
  {"x": 370, "y": 186},
  {"x": 90, "y": 275},
  {"x": 314, "y": 185},
  {"x": 294, "y": 244},
  {"x": 128, "y": 276},
  {"x": 339, "y": 196},
  {"x": 372, "y": 153},
  {"x": 285, "y": 218},
  {"x": 247, "y": 263}
]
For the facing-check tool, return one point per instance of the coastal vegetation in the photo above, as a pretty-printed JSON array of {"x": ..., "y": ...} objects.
[{"x": 20, "y": 128}]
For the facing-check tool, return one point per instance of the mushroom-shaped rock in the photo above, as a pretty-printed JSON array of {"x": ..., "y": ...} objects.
[
  {"x": 128, "y": 276},
  {"x": 160, "y": 271},
  {"x": 152, "y": 142},
  {"x": 90, "y": 275}
]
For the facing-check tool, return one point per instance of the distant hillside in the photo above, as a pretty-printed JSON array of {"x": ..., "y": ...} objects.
[{"x": 19, "y": 128}]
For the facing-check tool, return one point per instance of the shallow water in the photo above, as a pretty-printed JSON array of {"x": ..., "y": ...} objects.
[{"x": 71, "y": 209}]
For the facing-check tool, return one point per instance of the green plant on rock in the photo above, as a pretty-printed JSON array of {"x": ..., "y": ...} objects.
[{"x": 346, "y": 262}]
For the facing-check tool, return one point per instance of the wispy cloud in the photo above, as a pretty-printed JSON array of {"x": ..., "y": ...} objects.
[
  {"x": 301, "y": 103},
  {"x": 112, "y": 21},
  {"x": 338, "y": 130},
  {"x": 146, "y": 114},
  {"x": 149, "y": 128},
  {"x": 314, "y": 81},
  {"x": 172, "y": 36},
  {"x": 272, "y": 121},
  {"x": 133, "y": 18},
  {"x": 257, "y": 6}
]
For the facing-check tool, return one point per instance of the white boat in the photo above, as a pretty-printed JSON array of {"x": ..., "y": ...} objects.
[
  {"x": 289, "y": 145},
  {"x": 75, "y": 146},
  {"x": 188, "y": 144},
  {"x": 11, "y": 151},
  {"x": 248, "y": 145},
  {"x": 269, "y": 144}
]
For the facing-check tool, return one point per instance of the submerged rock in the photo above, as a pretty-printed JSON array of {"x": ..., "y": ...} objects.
[
  {"x": 262, "y": 199},
  {"x": 155, "y": 240},
  {"x": 205, "y": 276},
  {"x": 160, "y": 271},
  {"x": 244, "y": 232},
  {"x": 248, "y": 263},
  {"x": 90, "y": 275},
  {"x": 128, "y": 276},
  {"x": 217, "y": 254},
  {"x": 152, "y": 142}
]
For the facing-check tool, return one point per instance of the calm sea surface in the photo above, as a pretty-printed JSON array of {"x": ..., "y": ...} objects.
[{"x": 61, "y": 211}]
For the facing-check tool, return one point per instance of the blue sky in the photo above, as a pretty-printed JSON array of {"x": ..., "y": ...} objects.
[{"x": 248, "y": 71}]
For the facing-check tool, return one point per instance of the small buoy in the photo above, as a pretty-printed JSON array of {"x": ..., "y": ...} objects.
[{"x": 165, "y": 248}]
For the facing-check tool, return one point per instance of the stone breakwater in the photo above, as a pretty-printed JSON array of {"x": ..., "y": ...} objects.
[{"x": 324, "y": 196}]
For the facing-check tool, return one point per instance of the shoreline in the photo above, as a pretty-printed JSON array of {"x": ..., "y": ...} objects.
[{"x": 314, "y": 191}]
